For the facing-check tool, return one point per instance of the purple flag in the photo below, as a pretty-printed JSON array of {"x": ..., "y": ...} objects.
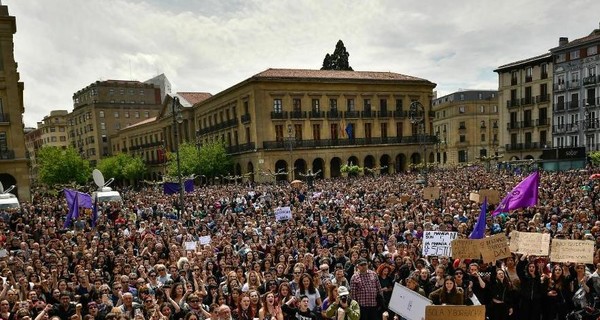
[
  {"x": 75, "y": 200},
  {"x": 525, "y": 194},
  {"x": 173, "y": 187},
  {"x": 479, "y": 229}
]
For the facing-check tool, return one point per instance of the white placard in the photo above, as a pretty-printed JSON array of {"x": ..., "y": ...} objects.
[
  {"x": 190, "y": 245},
  {"x": 204, "y": 240},
  {"x": 283, "y": 213},
  {"x": 407, "y": 303},
  {"x": 438, "y": 243}
]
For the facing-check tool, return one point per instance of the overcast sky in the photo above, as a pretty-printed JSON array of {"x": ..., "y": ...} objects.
[{"x": 64, "y": 45}]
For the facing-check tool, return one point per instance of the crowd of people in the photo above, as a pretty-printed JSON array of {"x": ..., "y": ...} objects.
[{"x": 350, "y": 240}]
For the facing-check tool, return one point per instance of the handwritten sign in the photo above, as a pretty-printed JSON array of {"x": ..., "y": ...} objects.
[
  {"x": 454, "y": 312},
  {"x": 495, "y": 248},
  {"x": 438, "y": 243},
  {"x": 578, "y": 251},
  {"x": 204, "y": 240},
  {"x": 407, "y": 303},
  {"x": 536, "y": 244},
  {"x": 283, "y": 213},
  {"x": 431, "y": 193},
  {"x": 404, "y": 198},
  {"x": 514, "y": 241},
  {"x": 493, "y": 196},
  {"x": 474, "y": 197},
  {"x": 466, "y": 248}
]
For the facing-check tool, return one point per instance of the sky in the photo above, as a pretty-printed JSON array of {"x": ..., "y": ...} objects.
[{"x": 62, "y": 46}]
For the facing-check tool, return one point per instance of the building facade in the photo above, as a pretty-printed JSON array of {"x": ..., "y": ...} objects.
[
  {"x": 51, "y": 131},
  {"x": 292, "y": 121},
  {"x": 105, "y": 107},
  {"x": 466, "y": 124},
  {"x": 525, "y": 99},
  {"x": 13, "y": 162},
  {"x": 576, "y": 92}
]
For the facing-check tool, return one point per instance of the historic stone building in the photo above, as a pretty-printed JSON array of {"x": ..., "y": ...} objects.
[{"x": 51, "y": 131}]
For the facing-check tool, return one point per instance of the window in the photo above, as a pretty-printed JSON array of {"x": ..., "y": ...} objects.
[
  {"x": 544, "y": 72},
  {"x": 296, "y": 105},
  {"x": 592, "y": 50},
  {"x": 277, "y": 106},
  {"x": 529, "y": 74},
  {"x": 298, "y": 131},
  {"x": 481, "y": 109},
  {"x": 333, "y": 104},
  {"x": 137, "y": 114},
  {"x": 494, "y": 109},
  {"x": 104, "y": 138},
  {"x": 399, "y": 129},
  {"x": 483, "y": 137},
  {"x": 383, "y": 105},
  {"x": 122, "y": 91},
  {"x": 126, "y": 114},
  {"x": 116, "y": 114},
  {"x": 367, "y": 105},
  {"x": 146, "y": 114},
  {"x": 102, "y": 126},
  {"x": 561, "y": 58},
  {"x": 316, "y": 131},
  {"x": 368, "y": 133},
  {"x": 398, "y": 104},
  {"x": 462, "y": 138},
  {"x": 111, "y": 92},
  {"x": 333, "y": 131},
  {"x": 350, "y": 105},
  {"x": 117, "y": 125},
  {"x": 575, "y": 77},
  {"x": 315, "y": 105},
  {"x": 574, "y": 55},
  {"x": 63, "y": 138},
  {"x": 461, "y": 109},
  {"x": 141, "y": 92},
  {"x": 462, "y": 125},
  {"x": 100, "y": 114},
  {"x": 514, "y": 76},
  {"x": 384, "y": 130},
  {"x": 278, "y": 132}
]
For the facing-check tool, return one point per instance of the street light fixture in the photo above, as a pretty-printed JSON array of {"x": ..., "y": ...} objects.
[
  {"x": 178, "y": 119},
  {"x": 291, "y": 138},
  {"x": 416, "y": 115}
]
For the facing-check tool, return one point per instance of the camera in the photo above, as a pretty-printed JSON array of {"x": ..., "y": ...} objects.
[{"x": 344, "y": 299}]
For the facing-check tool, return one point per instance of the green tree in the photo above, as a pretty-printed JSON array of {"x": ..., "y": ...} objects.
[
  {"x": 214, "y": 160},
  {"x": 594, "y": 157},
  {"x": 190, "y": 163},
  {"x": 122, "y": 167},
  {"x": 338, "y": 60},
  {"x": 61, "y": 166}
]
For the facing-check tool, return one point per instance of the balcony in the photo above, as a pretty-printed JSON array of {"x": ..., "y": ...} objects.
[
  {"x": 559, "y": 107},
  {"x": 400, "y": 114},
  {"x": 512, "y": 125},
  {"x": 591, "y": 80},
  {"x": 513, "y": 81},
  {"x": 385, "y": 114},
  {"x": 527, "y": 124},
  {"x": 528, "y": 78},
  {"x": 245, "y": 118},
  {"x": 573, "y": 104},
  {"x": 591, "y": 124},
  {"x": 334, "y": 114},
  {"x": 572, "y": 127},
  {"x": 7, "y": 155},
  {"x": 279, "y": 115},
  {"x": 241, "y": 148},
  {"x": 4, "y": 117},
  {"x": 542, "y": 98},
  {"x": 527, "y": 101},
  {"x": 316, "y": 114},
  {"x": 559, "y": 128},
  {"x": 462, "y": 129},
  {"x": 513, "y": 103},
  {"x": 522, "y": 146},
  {"x": 326, "y": 143},
  {"x": 574, "y": 84},
  {"x": 297, "y": 114},
  {"x": 544, "y": 75},
  {"x": 368, "y": 114},
  {"x": 542, "y": 122},
  {"x": 352, "y": 114},
  {"x": 559, "y": 87}
]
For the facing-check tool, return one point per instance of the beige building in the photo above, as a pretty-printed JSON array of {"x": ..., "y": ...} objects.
[
  {"x": 153, "y": 137},
  {"x": 105, "y": 107},
  {"x": 318, "y": 120},
  {"x": 51, "y": 131},
  {"x": 466, "y": 124},
  {"x": 525, "y": 98},
  {"x": 13, "y": 162}
]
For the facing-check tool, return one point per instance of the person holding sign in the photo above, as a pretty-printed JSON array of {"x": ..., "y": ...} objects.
[
  {"x": 449, "y": 294},
  {"x": 531, "y": 291},
  {"x": 501, "y": 289}
]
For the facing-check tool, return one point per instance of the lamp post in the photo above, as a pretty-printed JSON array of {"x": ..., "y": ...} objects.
[
  {"x": 177, "y": 119},
  {"x": 416, "y": 115},
  {"x": 290, "y": 144}
]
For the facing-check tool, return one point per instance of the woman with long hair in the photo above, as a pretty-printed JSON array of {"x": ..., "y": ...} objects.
[
  {"x": 386, "y": 281},
  {"x": 501, "y": 292},
  {"x": 255, "y": 304},
  {"x": 284, "y": 293},
  {"x": 243, "y": 311},
  {"x": 531, "y": 291},
  {"x": 448, "y": 294},
  {"x": 254, "y": 281},
  {"x": 306, "y": 287},
  {"x": 270, "y": 308},
  {"x": 178, "y": 293},
  {"x": 556, "y": 292},
  {"x": 332, "y": 295}
]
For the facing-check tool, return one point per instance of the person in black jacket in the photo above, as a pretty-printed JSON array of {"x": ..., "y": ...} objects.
[
  {"x": 501, "y": 296},
  {"x": 530, "y": 297},
  {"x": 300, "y": 313}
]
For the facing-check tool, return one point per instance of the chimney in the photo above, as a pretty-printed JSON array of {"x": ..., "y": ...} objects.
[{"x": 562, "y": 41}]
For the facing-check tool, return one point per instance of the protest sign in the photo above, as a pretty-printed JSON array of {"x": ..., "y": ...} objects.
[
  {"x": 465, "y": 248},
  {"x": 283, "y": 213},
  {"x": 404, "y": 198},
  {"x": 534, "y": 244},
  {"x": 204, "y": 240},
  {"x": 514, "y": 241},
  {"x": 190, "y": 245},
  {"x": 495, "y": 248},
  {"x": 431, "y": 193},
  {"x": 493, "y": 196},
  {"x": 408, "y": 303},
  {"x": 438, "y": 243},
  {"x": 454, "y": 312},
  {"x": 577, "y": 251},
  {"x": 474, "y": 197}
]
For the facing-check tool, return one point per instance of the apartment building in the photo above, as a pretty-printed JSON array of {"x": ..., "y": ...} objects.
[
  {"x": 576, "y": 113},
  {"x": 525, "y": 100},
  {"x": 292, "y": 121},
  {"x": 13, "y": 162},
  {"x": 466, "y": 127},
  {"x": 51, "y": 131},
  {"x": 105, "y": 107}
]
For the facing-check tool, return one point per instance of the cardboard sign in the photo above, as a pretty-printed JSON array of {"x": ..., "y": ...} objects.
[
  {"x": 454, "y": 312},
  {"x": 514, "y": 241},
  {"x": 474, "y": 197},
  {"x": 431, "y": 193},
  {"x": 534, "y": 244},
  {"x": 392, "y": 200},
  {"x": 466, "y": 248},
  {"x": 204, "y": 240},
  {"x": 495, "y": 248},
  {"x": 493, "y": 196},
  {"x": 578, "y": 251},
  {"x": 438, "y": 243},
  {"x": 283, "y": 213},
  {"x": 190, "y": 245},
  {"x": 407, "y": 303},
  {"x": 404, "y": 198}
]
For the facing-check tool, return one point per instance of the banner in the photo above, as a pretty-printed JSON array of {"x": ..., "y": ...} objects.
[
  {"x": 577, "y": 251},
  {"x": 495, "y": 248},
  {"x": 407, "y": 303},
  {"x": 454, "y": 312},
  {"x": 173, "y": 187},
  {"x": 431, "y": 193},
  {"x": 438, "y": 243},
  {"x": 466, "y": 248},
  {"x": 283, "y": 213},
  {"x": 534, "y": 244}
]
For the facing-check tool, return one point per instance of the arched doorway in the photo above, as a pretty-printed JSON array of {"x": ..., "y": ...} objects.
[
  {"x": 369, "y": 163},
  {"x": 400, "y": 162},
  {"x": 415, "y": 158},
  {"x": 299, "y": 167},
  {"x": 431, "y": 158},
  {"x": 353, "y": 160},
  {"x": 529, "y": 157},
  {"x": 335, "y": 164},
  {"x": 384, "y": 163},
  {"x": 7, "y": 181},
  {"x": 318, "y": 165},
  {"x": 280, "y": 167},
  {"x": 250, "y": 168}
]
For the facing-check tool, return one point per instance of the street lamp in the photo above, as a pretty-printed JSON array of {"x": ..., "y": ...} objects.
[
  {"x": 178, "y": 119},
  {"x": 291, "y": 138},
  {"x": 416, "y": 115}
]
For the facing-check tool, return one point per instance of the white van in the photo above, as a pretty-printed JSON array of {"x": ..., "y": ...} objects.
[
  {"x": 9, "y": 201},
  {"x": 106, "y": 196}
]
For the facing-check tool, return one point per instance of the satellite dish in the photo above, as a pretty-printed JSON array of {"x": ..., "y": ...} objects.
[
  {"x": 98, "y": 178},
  {"x": 1, "y": 188},
  {"x": 2, "y": 191}
]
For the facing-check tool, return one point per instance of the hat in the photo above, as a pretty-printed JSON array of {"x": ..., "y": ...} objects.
[
  {"x": 361, "y": 261},
  {"x": 343, "y": 291}
]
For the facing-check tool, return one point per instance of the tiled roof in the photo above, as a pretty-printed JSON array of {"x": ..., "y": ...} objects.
[
  {"x": 332, "y": 74},
  {"x": 194, "y": 97},
  {"x": 525, "y": 61},
  {"x": 142, "y": 122},
  {"x": 595, "y": 35}
]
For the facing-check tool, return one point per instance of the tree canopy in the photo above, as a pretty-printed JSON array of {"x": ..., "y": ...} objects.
[
  {"x": 189, "y": 160},
  {"x": 62, "y": 166},
  {"x": 338, "y": 60},
  {"x": 210, "y": 160},
  {"x": 122, "y": 167}
]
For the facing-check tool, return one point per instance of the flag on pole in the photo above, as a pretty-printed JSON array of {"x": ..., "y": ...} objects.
[
  {"x": 95, "y": 213},
  {"x": 75, "y": 200},
  {"x": 525, "y": 194},
  {"x": 349, "y": 131},
  {"x": 342, "y": 127},
  {"x": 479, "y": 229}
]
